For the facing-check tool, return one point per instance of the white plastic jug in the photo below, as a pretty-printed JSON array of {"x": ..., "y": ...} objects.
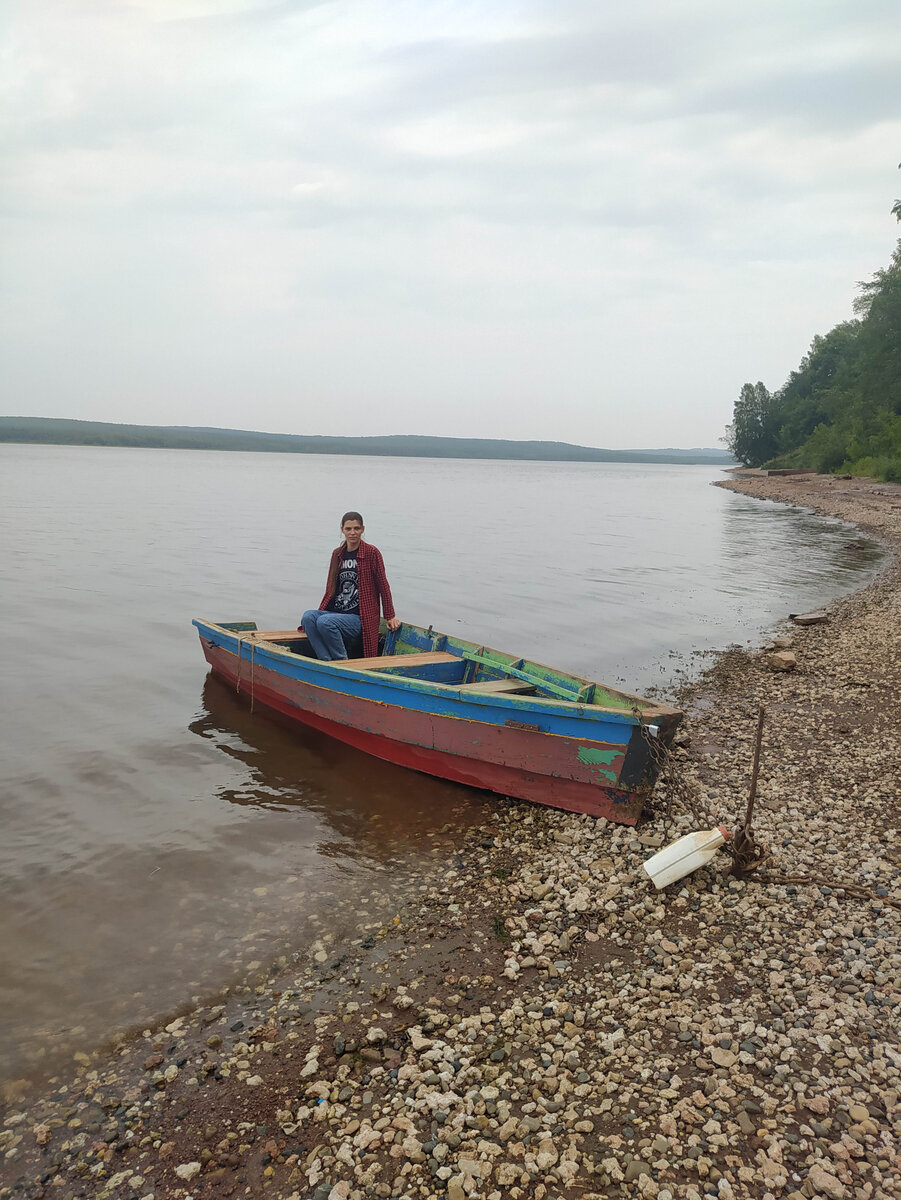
[{"x": 685, "y": 855}]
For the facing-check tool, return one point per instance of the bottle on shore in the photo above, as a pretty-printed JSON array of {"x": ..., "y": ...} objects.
[{"x": 685, "y": 855}]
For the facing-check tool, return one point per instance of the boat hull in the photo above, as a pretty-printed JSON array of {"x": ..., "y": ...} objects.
[{"x": 481, "y": 745}]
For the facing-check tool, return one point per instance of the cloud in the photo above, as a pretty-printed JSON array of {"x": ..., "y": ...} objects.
[{"x": 450, "y": 204}]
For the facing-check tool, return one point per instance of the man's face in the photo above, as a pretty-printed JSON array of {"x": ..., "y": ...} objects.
[{"x": 353, "y": 534}]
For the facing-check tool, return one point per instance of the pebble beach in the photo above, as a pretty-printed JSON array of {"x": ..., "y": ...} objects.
[{"x": 533, "y": 1018}]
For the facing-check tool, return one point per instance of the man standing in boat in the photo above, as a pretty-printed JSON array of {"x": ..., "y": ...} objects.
[{"x": 356, "y": 591}]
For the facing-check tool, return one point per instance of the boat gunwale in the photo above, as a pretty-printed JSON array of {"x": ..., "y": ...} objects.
[{"x": 648, "y": 711}]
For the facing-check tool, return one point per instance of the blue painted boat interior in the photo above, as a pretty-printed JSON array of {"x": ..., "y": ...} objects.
[{"x": 422, "y": 655}]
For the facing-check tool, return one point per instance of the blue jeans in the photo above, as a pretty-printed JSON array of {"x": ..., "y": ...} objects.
[{"x": 330, "y": 633}]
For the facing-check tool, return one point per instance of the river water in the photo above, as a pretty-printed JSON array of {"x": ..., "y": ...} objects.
[{"x": 157, "y": 842}]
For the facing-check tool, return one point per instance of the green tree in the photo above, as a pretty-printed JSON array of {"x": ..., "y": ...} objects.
[
  {"x": 821, "y": 386},
  {"x": 880, "y": 304},
  {"x": 753, "y": 435},
  {"x": 840, "y": 410}
]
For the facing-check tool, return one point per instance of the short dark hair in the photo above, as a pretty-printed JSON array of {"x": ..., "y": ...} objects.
[{"x": 351, "y": 516}]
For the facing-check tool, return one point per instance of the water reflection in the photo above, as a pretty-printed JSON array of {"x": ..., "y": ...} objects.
[
  {"x": 376, "y": 808},
  {"x": 151, "y": 851}
]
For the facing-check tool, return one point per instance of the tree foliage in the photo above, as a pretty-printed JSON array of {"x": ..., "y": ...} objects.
[
  {"x": 840, "y": 410},
  {"x": 753, "y": 435}
]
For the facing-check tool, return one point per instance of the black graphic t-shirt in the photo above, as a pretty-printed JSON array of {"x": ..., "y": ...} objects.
[{"x": 347, "y": 596}]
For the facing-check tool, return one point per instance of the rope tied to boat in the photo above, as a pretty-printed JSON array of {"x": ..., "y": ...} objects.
[
  {"x": 671, "y": 779},
  {"x": 838, "y": 885},
  {"x": 253, "y": 649},
  {"x": 745, "y": 852}
]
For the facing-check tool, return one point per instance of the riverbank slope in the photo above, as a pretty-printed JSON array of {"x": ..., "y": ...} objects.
[{"x": 537, "y": 1021}]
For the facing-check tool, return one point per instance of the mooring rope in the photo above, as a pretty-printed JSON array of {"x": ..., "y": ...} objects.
[
  {"x": 837, "y": 885},
  {"x": 747, "y": 856},
  {"x": 253, "y": 651}
]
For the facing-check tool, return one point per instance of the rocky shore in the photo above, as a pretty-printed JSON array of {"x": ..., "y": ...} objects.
[{"x": 536, "y": 1020}]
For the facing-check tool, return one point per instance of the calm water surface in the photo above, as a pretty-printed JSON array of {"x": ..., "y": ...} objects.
[{"x": 156, "y": 840}]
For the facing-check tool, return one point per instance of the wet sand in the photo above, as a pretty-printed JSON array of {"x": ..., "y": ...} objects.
[{"x": 535, "y": 1020}]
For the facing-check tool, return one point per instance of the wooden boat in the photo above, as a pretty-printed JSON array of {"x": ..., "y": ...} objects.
[{"x": 460, "y": 711}]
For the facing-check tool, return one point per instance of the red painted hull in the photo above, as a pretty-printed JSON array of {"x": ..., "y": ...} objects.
[{"x": 511, "y": 762}]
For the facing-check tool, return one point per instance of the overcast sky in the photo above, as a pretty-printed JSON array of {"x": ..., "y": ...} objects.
[{"x": 578, "y": 220}]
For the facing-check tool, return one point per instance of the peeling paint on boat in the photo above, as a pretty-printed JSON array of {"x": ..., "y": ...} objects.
[{"x": 463, "y": 712}]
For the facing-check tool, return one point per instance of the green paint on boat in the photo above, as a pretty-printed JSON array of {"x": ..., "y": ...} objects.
[
  {"x": 592, "y": 757},
  {"x": 607, "y": 700},
  {"x": 601, "y": 759}
]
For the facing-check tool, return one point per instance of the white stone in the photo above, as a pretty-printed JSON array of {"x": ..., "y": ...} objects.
[
  {"x": 822, "y": 1181},
  {"x": 782, "y": 660}
]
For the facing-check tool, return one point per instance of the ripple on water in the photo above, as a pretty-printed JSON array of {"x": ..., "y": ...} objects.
[{"x": 157, "y": 837}]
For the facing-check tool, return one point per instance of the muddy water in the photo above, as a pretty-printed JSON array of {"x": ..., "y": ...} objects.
[{"x": 157, "y": 842}]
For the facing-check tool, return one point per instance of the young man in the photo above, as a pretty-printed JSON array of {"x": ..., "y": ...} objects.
[{"x": 357, "y": 588}]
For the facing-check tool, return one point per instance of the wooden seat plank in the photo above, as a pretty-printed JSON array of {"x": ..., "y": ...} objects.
[
  {"x": 275, "y": 635},
  {"x": 395, "y": 660},
  {"x": 511, "y": 686}
]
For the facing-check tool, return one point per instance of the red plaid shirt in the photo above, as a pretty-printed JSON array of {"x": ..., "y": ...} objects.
[{"x": 372, "y": 583}]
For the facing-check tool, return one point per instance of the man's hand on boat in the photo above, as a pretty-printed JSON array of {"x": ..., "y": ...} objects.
[{"x": 394, "y": 623}]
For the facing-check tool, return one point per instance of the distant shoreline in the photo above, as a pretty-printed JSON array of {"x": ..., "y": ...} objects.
[{"x": 63, "y": 432}]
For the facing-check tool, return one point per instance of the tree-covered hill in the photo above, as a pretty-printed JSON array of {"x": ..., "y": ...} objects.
[
  {"x": 840, "y": 410},
  {"x": 59, "y": 431}
]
